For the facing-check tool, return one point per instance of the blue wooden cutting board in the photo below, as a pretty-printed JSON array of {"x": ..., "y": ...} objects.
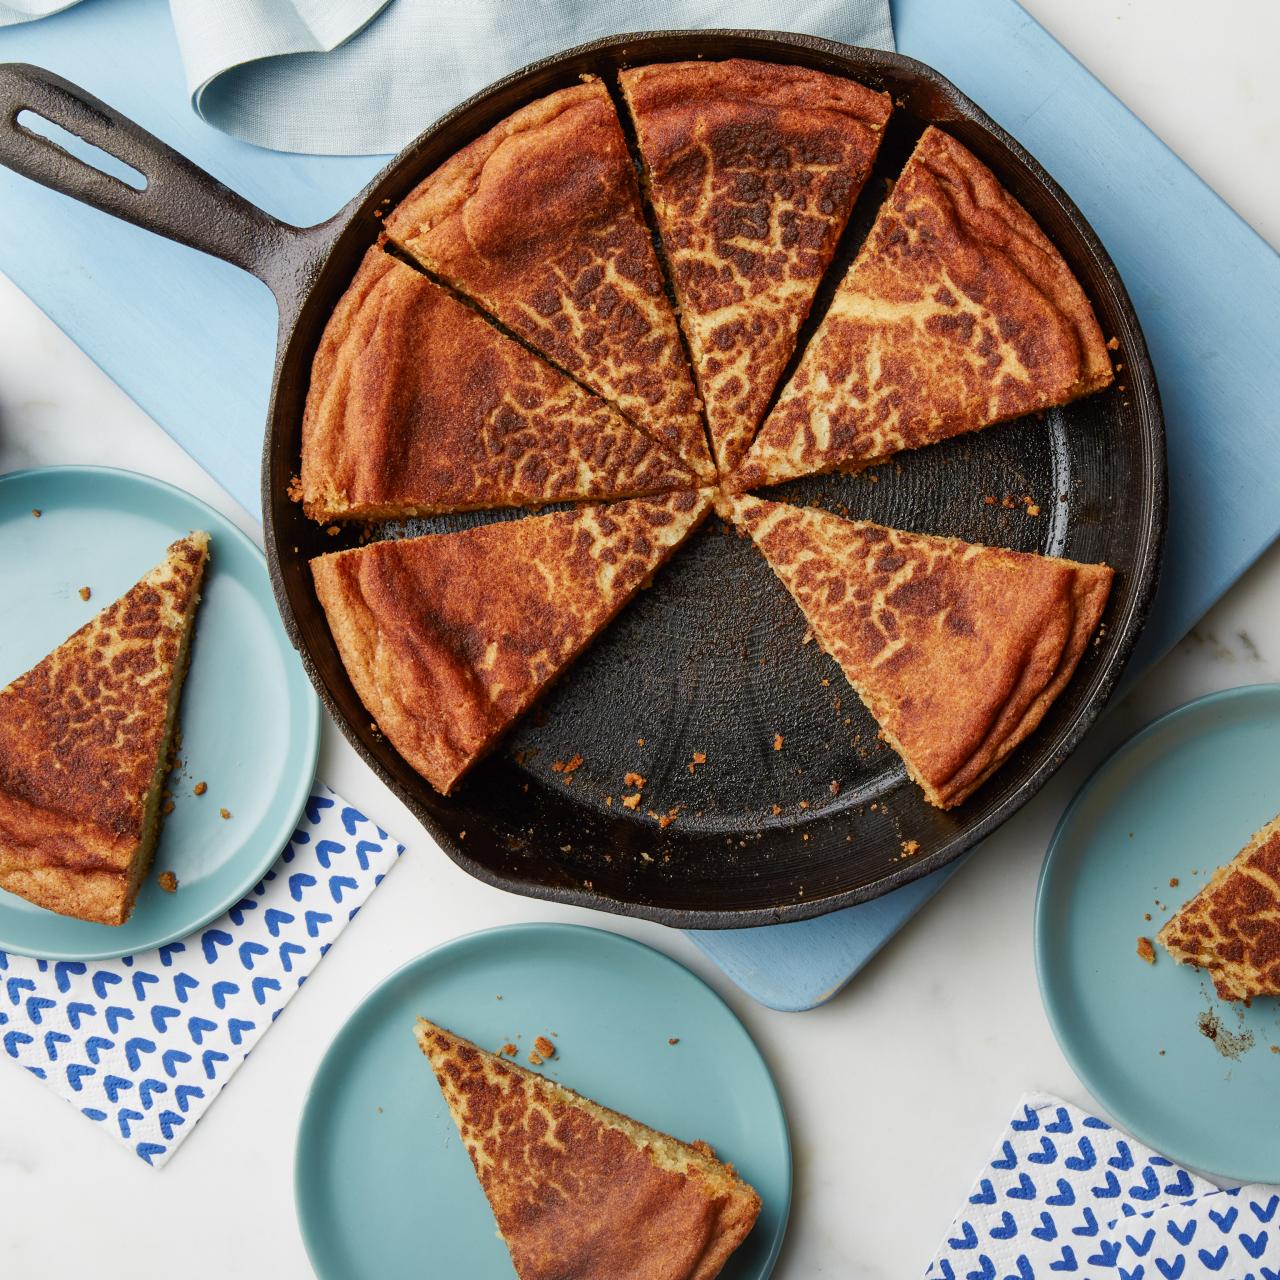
[{"x": 192, "y": 339}]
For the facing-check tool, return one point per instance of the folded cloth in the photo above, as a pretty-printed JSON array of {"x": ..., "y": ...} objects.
[
  {"x": 144, "y": 1044},
  {"x": 335, "y": 77},
  {"x": 1066, "y": 1193},
  {"x": 15, "y": 11}
]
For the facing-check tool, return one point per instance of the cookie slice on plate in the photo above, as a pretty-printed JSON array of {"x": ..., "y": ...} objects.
[
  {"x": 1231, "y": 928},
  {"x": 84, "y": 747},
  {"x": 957, "y": 649},
  {"x": 582, "y": 1191}
]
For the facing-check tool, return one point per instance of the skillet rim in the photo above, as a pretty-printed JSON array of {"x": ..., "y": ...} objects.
[{"x": 331, "y": 251}]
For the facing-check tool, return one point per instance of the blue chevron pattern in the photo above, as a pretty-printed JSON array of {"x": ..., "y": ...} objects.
[
  {"x": 1064, "y": 1194},
  {"x": 143, "y": 1045}
]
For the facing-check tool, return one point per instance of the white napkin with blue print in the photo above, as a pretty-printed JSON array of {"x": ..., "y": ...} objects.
[
  {"x": 1065, "y": 1194},
  {"x": 144, "y": 1044},
  {"x": 333, "y": 77}
]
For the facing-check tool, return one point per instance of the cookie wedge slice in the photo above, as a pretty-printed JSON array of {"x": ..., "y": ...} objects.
[
  {"x": 579, "y": 1190},
  {"x": 539, "y": 221},
  {"x": 449, "y": 638},
  {"x": 957, "y": 649},
  {"x": 1231, "y": 928},
  {"x": 84, "y": 747},
  {"x": 418, "y": 405},
  {"x": 752, "y": 170},
  {"x": 957, "y": 313}
]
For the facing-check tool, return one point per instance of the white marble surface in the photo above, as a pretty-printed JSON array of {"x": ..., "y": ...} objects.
[{"x": 946, "y": 1021}]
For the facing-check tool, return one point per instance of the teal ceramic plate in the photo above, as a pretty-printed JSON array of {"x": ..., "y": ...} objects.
[
  {"x": 1175, "y": 802},
  {"x": 250, "y": 720},
  {"x": 384, "y": 1186}
]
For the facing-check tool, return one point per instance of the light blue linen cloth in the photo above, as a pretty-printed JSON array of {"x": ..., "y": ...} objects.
[{"x": 363, "y": 77}]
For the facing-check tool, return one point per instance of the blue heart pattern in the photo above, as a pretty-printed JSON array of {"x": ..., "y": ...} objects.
[
  {"x": 143, "y": 1045},
  {"x": 1065, "y": 1194}
]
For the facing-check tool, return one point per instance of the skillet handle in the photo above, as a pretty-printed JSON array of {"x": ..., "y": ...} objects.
[{"x": 179, "y": 201}]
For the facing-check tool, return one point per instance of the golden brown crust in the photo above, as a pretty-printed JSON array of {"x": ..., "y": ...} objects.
[
  {"x": 1231, "y": 928},
  {"x": 540, "y": 222},
  {"x": 581, "y": 1192},
  {"x": 956, "y": 649},
  {"x": 83, "y": 742},
  {"x": 753, "y": 169},
  {"x": 418, "y": 405},
  {"x": 449, "y": 638},
  {"x": 957, "y": 313}
]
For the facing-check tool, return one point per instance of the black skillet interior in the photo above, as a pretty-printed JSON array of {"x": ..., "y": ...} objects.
[{"x": 713, "y": 657}]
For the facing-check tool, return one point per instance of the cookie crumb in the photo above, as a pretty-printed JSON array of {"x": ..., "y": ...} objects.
[
  {"x": 631, "y": 801},
  {"x": 1173, "y": 882},
  {"x": 632, "y": 780},
  {"x": 35, "y": 511},
  {"x": 676, "y": 1040},
  {"x": 168, "y": 882},
  {"x": 167, "y": 807},
  {"x": 775, "y": 810},
  {"x": 1146, "y": 951},
  {"x": 1227, "y": 1043},
  {"x": 567, "y": 766},
  {"x": 535, "y": 1059},
  {"x": 778, "y": 740},
  {"x": 224, "y": 813},
  {"x": 699, "y": 757},
  {"x": 910, "y": 848},
  {"x": 544, "y": 1047},
  {"x": 333, "y": 530},
  {"x": 199, "y": 789},
  {"x": 509, "y": 1049},
  {"x": 85, "y": 593},
  {"x": 834, "y": 787}
]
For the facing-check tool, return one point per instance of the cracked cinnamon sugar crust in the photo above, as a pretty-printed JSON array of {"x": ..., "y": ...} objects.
[
  {"x": 581, "y": 1192},
  {"x": 1231, "y": 928},
  {"x": 418, "y": 405},
  {"x": 84, "y": 744},
  {"x": 956, "y": 314},
  {"x": 539, "y": 221},
  {"x": 956, "y": 649},
  {"x": 752, "y": 170},
  {"x": 449, "y": 638}
]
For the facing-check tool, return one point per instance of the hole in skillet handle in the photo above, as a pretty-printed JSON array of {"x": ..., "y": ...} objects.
[{"x": 55, "y": 135}]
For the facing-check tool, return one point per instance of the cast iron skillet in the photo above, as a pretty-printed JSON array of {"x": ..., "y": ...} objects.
[{"x": 711, "y": 659}]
